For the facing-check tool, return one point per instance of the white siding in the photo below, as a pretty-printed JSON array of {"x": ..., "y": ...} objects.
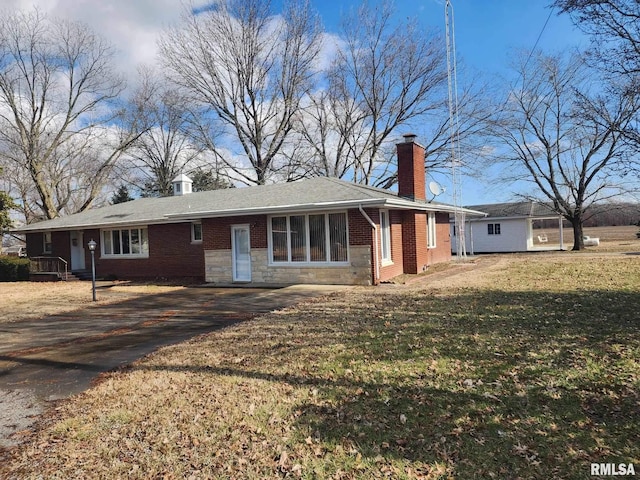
[{"x": 513, "y": 237}]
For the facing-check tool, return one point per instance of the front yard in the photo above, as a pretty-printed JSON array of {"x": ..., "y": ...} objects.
[
  {"x": 26, "y": 300},
  {"x": 528, "y": 367}
]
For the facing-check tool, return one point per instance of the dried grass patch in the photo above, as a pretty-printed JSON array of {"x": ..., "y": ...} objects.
[
  {"x": 30, "y": 300},
  {"x": 531, "y": 372}
]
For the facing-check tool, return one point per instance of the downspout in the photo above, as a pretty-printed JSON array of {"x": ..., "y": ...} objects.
[{"x": 375, "y": 243}]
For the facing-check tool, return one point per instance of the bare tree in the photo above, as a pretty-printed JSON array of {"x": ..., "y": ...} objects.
[
  {"x": 251, "y": 68},
  {"x": 564, "y": 132},
  {"x": 165, "y": 147},
  {"x": 58, "y": 96},
  {"x": 385, "y": 75},
  {"x": 474, "y": 119},
  {"x": 325, "y": 127},
  {"x": 615, "y": 28}
]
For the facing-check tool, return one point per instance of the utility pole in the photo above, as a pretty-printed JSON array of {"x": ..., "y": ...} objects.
[{"x": 454, "y": 131}]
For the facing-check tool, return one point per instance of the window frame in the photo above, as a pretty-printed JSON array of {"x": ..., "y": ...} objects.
[
  {"x": 386, "y": 251},
  {"x": 47, "y": 242},
  {"x": 307, "y": 262},
  {"x": 493, "y": 229},
  {"x": 194, "y": 238},
  {"x": 144, "y": 253},
  {"x": 432, "y": 232}
]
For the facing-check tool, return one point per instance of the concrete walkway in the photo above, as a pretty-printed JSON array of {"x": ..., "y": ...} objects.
[{"x": 58, "y": 356}]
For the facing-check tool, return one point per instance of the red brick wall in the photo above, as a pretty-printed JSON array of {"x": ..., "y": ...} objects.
[
  {"x": 411, "y": 174},
  {"x": 408, "y": 240},
  {"x": 216, "y": 232},
  {"x": 88, "y": 235},
  {"x": 414, "y": 234},
  {"x": 360, "y": 231},
  {"x": 34, "y": 244},
  {"x": 442, "y": 252},
  {"x": 171, "y": 255},
  {"x": 397, "y": 267},
  {"x": 60, "y": 245}
]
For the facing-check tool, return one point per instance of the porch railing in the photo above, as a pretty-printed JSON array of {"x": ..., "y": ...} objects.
[{"x": 49, "y": 265}]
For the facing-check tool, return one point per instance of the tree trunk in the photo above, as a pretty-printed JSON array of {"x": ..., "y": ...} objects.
[{"x": 578, "y": 241}]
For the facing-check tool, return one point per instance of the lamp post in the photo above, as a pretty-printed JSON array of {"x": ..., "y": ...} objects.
[{"x": 92, "y": 248}]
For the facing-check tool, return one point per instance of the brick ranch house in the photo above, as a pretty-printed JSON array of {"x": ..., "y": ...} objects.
[{"x": 319, "y": 230}]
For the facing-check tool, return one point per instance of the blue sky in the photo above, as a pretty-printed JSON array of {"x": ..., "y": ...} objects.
[{"x": 486, "y": 32}]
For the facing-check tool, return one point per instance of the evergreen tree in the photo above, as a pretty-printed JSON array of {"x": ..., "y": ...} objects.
[
  {"x": 204, "y": 180},
  {"x": 122, "y": 195},
  {"x": 6, "y": 204}
]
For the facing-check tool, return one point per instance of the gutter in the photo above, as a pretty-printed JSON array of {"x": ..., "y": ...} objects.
[{"x": 375, "y": 243}]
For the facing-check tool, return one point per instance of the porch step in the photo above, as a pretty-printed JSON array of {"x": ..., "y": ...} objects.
[{"x": 79, "y": 275}]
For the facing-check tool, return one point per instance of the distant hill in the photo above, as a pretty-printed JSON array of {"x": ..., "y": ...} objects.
[
  {"x": 605, "y": 215},
  {"x": 613, "y": 214}
]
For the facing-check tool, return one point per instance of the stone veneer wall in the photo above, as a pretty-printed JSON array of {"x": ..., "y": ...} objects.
[{"x": 218, "y": 269}]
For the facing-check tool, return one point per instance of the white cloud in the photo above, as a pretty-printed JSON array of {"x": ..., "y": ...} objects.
[
  {"x": 331, "y": 44},
  {"x": 132, "y": 26}
]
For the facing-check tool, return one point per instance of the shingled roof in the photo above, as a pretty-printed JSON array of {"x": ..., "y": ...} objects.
[
  {"x": 529, "y": 209},
  {"x": 304, "y": 195}
]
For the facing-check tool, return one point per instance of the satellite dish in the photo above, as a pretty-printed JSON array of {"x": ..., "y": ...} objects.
[{"x": 435, "y": 188}]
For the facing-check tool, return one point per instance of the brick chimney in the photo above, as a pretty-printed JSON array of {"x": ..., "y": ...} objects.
[{"x": 411, "y": 174}]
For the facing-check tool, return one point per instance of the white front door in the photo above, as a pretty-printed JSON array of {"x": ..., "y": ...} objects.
[
  {"x": 241, "y": 253},
  {"x": 77, "y": 250}
]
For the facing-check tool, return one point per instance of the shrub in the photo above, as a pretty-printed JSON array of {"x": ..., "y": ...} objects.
[{"x": 14, "y": 269}]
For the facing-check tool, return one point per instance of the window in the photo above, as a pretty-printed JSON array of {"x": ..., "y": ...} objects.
[
  {"x": 298, "y": 238},
  {"x": 385, "y": 236},
  {"x": 132, "y": 242},
  {"x": 493, "y": 228},
  {"x": 279, "y": 243},
  {"x": 309, "y": 238},
  {"x": 338, "y": 237},
  {"x": 196, "y": 232},
  {"x": 431, "y": 230},
  {"x": 47, "y": 244}
]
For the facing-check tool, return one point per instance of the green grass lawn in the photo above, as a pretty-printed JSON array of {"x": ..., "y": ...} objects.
[{"x": 532, "y": 372}]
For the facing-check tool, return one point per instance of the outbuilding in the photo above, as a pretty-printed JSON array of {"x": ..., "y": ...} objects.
[{"x": 512, "y": 227}]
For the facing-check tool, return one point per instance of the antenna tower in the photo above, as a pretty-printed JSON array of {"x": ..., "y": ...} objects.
[{"x": 454, "y": 131}]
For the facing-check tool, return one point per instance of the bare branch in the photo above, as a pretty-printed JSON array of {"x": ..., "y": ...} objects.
[
  {"x": 58, "y": 97},
  {"x": 250, "y": 69},
  {"x": 566, "y": 138}
]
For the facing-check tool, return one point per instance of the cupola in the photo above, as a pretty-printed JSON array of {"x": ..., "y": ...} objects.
[{"x": 182, "y": 185}]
